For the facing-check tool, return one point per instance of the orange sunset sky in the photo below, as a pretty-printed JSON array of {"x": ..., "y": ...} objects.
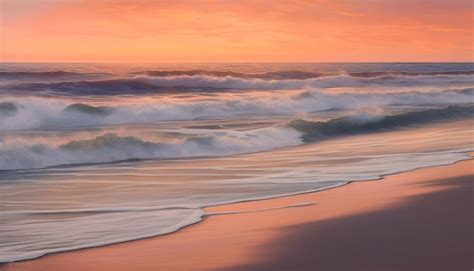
[{"x": 235, "y": 31}]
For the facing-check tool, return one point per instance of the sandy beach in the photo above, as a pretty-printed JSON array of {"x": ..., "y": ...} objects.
[{"x": 419, "y": 220}]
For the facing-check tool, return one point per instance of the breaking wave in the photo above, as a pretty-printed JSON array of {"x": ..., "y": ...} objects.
[
  {"x": 367, "y": 123},
  {"x": 111, "y": 147},
  {"x": 36, "y": 112}
]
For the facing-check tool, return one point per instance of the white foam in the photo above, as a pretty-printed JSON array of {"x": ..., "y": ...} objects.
[
  {"x": 34, "y": 112},
  {"x": 72, "y": 228}
]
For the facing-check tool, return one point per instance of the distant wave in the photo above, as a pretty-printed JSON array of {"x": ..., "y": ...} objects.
[
  {"x": 278, "y": 75},
  {"x": 273, "y": 75},
  {"x": 414, "y": 74},
  {"x": 48, "y": 75},
  {"x": 177, "y": 82},
  {"x": 366, "y": 123},
  {"x": 128, "y": 86}
]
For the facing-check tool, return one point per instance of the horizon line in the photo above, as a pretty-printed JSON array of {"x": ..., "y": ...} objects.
[{"x": 224, "y": 62}]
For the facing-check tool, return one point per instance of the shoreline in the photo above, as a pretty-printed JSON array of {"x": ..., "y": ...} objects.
[
  {"x": 206, "y": 215},
  {"x": 285, "y": 204}
]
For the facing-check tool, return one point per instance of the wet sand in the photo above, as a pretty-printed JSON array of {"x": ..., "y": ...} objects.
[{"x": 420, "y": 220}]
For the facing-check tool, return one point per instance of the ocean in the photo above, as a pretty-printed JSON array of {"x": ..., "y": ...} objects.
[{"x": 99, "y": 153}]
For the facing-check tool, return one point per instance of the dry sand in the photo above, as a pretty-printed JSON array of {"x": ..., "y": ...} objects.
[{"x": 420, "y": 220}]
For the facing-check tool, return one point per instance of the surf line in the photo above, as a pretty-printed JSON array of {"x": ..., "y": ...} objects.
[{"x": 295, "y": 205}]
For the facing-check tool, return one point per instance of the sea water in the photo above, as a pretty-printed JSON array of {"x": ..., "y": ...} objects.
[{"x": 95, "y": 153}]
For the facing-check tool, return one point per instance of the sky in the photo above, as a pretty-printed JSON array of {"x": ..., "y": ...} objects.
[{"x": 236, "y": 30}]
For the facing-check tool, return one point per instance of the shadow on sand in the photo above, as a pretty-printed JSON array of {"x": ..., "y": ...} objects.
[{"x": 429, "y": 232}]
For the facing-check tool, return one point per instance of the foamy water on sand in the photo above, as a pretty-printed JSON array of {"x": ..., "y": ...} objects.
[{"x": 98, "y": 154}]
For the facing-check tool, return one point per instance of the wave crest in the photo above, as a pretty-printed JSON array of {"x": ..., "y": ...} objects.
[
  {"x": 293, "y": 74},
  {"x": 89, "y": 109},
  {"x": 108, "y": 140}
]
